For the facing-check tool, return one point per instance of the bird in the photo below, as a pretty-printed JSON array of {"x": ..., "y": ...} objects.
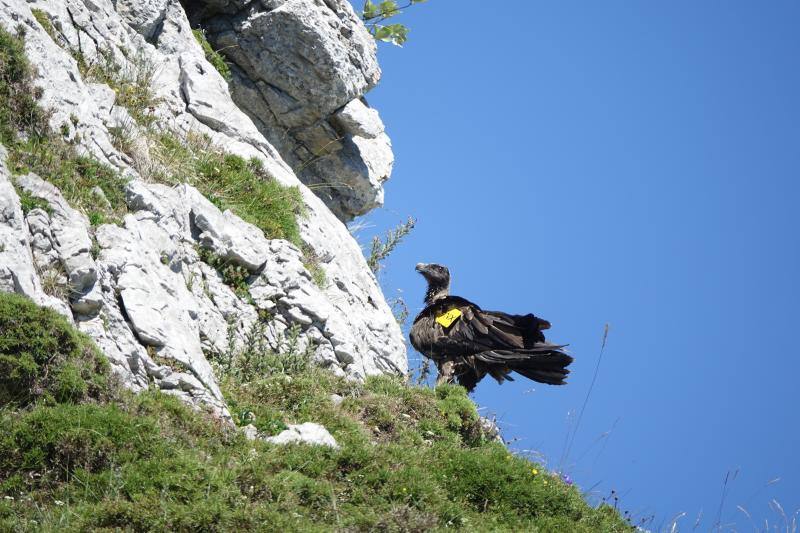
[{"x": 467, "y": 342}]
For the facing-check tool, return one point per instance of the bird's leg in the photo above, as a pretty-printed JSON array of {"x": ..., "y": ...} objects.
[{"x": 445, "y": 372}]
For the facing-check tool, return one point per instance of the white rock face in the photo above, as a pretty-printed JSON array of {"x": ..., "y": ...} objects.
[
  {"x": 299, "y": 67},
  {"x": 140, "y": 289},
  {"x": 308, "y": 433},
  {"x": 18, "y": 271}
]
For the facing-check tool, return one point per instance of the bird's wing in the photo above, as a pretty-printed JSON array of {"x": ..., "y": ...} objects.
[{"x": 463, "y": 328}]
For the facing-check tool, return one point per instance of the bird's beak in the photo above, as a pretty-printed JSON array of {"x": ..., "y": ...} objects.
[{"x": 421, "y": 267}]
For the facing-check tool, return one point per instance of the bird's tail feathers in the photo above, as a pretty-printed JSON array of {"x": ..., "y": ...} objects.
[{"x": 545, "y": 363}]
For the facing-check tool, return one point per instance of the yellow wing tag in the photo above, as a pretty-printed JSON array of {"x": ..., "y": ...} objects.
[{"x": 446, "y": 319}]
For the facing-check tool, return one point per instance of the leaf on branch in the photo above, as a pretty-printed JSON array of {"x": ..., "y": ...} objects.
[
  {"x": 370, "y": 10},
  {"x": 389, "y": 8},
  {"x": 392, "y": 33},
  {"x": 373, "y": 14}
]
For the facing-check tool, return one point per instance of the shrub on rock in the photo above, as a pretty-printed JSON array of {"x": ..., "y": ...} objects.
[{"x": 43, "y": 357}]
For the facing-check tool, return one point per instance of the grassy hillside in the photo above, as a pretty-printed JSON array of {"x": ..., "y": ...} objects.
[{"x": 78, "y": 453}]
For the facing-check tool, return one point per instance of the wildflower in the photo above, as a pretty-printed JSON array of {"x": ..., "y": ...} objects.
[
  {"x": 566, "y": 479},
  {"x": 545, "y": 482},
  {"x": 59, "y": 502},
  {"x": 534, "y": 471}
]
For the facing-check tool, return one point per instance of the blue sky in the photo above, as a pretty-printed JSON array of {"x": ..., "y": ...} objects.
[{"x": 630, "y": 163}]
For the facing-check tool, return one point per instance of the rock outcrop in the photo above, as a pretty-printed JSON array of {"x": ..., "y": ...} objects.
[
  {"x": 307, "y": 433},
  {"x": 140, "y": 288},
  {"x": 300, "y": 70}
]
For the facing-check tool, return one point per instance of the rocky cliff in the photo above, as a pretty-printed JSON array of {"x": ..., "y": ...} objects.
[{"x": 169, "y": 274}]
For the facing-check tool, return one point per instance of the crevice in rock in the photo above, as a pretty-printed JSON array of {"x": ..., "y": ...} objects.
[
  {"x": 157, "y": 30},
  {"x": 79, "y": 30},
  {"x": 124, "y": 313}
]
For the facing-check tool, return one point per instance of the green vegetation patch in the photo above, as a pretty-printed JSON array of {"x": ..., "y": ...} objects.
[
  {"x": 132, "y": 84},
  {"x": 44, "y": 21},
  {"x": 410, "y": 458},
  {"x": 29, "y": 202},
  {"x": 313, "y": 264},
  {"x": 234, "y": 276},
  {"x": 75, "y": 176},
  {"x": 34, "y": 147},
  {"x": 19, "y": 110},
  {"x": 42, "y": 357},
  {"x": 256, "y": 358},
  {"x": 212, "y": 56},
  {"x": 231, "y": 182}
]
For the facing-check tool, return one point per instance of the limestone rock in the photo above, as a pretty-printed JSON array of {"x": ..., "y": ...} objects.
[
  {"x": 307, "y": 433},
  {"x": 491, "y": 430},
  {"x": 144, "y": 16},
  {"x": 70, "y": 239},
  {"x": 298, "y": 66},
  {"x": 18, "y": 272},
  {"x": 250, "y": 432},
  {"x": 140, "y": 288}
]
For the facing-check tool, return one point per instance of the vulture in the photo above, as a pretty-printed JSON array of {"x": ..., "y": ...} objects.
[{"x": 466, "y": 342}]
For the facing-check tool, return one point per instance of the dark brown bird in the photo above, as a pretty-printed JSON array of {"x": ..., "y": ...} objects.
[{"x": 466, "y": 342}]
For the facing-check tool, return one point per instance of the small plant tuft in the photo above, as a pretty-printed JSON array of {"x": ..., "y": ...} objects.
[
  {"x": 30, "y": 202},
  {"x": 96, "y": 218},
  {"x": 212, "y": 56},
  {"x": 44, "y": 21},
  {"x": 234, "y": 276},
  {"x": 382, "y": 248},
  {"x": 313, "y": 264},
  {"x": 54, "y": 282},
  {"x": 257, "y": 358}
]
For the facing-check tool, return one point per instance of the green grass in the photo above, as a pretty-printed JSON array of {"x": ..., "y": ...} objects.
[
  {"x": 75, "y": 175},
  {"x": 78, "y": 454},
  {"x": 19, "y": 110},
  {"x": 43, "y": 358},
  {"x": 30, "y": 202},
  {"x": 44, "y": 21},
  {"x": 212, "y": 56},
  {"x": 132, "y": 84},
  {"x": 231, "y": 182}
]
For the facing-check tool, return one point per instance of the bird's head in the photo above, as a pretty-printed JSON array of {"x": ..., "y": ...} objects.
[
  {"x": 434, "y": 273},
  {"x": 438, "y": 278}
]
